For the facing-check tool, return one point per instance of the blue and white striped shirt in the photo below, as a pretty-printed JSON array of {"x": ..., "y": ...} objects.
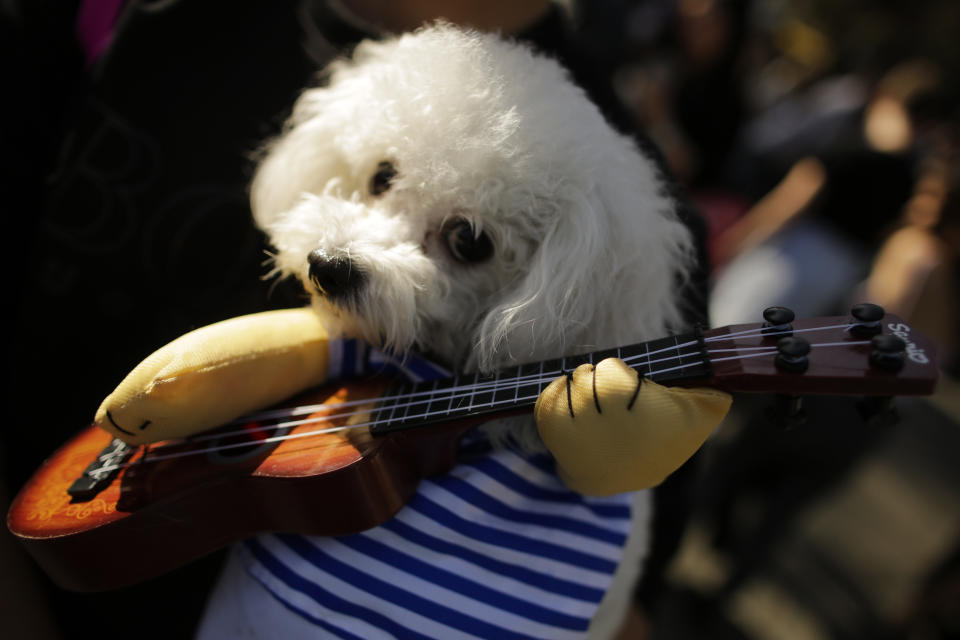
[{"x": 496, "y": 548}]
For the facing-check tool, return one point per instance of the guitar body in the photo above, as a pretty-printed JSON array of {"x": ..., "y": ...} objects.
[{"x": 176, "y": 509}]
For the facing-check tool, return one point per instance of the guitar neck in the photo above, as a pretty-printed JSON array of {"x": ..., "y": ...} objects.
[
  {"x": 840, "y": 357},
  {"x": 672, "y": 360}
]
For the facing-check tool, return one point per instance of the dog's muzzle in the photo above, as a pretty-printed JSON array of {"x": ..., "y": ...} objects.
[{"x": 334, "y": 277}]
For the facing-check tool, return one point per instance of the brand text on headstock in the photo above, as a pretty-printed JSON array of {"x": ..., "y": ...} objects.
[{"x": 902, "y": 331}]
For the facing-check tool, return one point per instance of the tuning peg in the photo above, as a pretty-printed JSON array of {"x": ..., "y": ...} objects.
[
  {"x": 867, "y": 319},
  {"x": 777, "y": 320},
  {"x": 889, "y": 352},
  {"x": 792, "y": 354},
  {"x": 878, "y": 411},
  {"x": 787, "y": 412}
]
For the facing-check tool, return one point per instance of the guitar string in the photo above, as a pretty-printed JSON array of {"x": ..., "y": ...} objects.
[
  {"x": 767, "y": 331},
  {"x": 446, "y": 394},
  {"x": 514, "y": 382},
  {"x": 153, "y": 456},
  {"x": 283, "y": 413},
  {"x": 451, "y": 393},
  {"x": 484, "y": 386}
]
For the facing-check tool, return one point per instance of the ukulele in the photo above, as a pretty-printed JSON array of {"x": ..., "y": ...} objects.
[{"x": 102, "y": 514}]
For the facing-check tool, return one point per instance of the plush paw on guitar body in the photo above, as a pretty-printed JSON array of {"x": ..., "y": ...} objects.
[{"x": 612, "y": 432}]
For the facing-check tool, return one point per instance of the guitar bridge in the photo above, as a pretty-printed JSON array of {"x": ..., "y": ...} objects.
[{"x": 101, "y": 472}]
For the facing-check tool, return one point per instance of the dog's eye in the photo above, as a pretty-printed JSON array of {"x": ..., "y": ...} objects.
[
  {"x": 383, "y": 178},
  {"x": 465, "y": 244}
]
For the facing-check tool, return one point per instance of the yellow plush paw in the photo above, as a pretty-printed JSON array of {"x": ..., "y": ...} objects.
[
  {"x": 610, "y": 432},
  {"x": 217, "y": 373}
]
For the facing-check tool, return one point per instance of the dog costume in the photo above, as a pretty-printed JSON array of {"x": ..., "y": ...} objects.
[{"x": 507, "y": 542}]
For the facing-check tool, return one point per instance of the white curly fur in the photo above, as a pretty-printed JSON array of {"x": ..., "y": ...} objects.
[{"x": 587, "y": 246}]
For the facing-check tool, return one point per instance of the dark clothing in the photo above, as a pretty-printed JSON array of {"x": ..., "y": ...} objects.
[{"x": 865, "y": 189}]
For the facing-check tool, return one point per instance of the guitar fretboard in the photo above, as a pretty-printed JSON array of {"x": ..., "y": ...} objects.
[{"x": 409, "y": 405}]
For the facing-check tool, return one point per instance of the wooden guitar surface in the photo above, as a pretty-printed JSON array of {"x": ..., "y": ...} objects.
[{"x": 161, "y": 513}]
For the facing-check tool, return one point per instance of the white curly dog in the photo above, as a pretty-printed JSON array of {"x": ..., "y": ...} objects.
[
  {"x": 457, "y": 194},
  {"x": 454, "y": 194}
]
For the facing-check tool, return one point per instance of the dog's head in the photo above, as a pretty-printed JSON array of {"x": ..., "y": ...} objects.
[{"x": 453, "y": 192}]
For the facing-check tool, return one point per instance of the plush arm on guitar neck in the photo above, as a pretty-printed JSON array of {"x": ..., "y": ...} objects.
[
  {"x": 611, "y": 433},
  {"x": 217, "y": 373}
]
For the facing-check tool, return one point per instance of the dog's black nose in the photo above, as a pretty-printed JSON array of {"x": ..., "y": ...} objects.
[{"x": 334, "y": 277}]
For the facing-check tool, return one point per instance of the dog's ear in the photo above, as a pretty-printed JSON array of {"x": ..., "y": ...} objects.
[
  {"x": 311, "y": 154},
  {"x": 608, "y": 271},
  {"x": 303, "y": 159}
]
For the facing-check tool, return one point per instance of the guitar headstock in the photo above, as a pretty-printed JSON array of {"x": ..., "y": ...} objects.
[{"x": 868, "y": 353}]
